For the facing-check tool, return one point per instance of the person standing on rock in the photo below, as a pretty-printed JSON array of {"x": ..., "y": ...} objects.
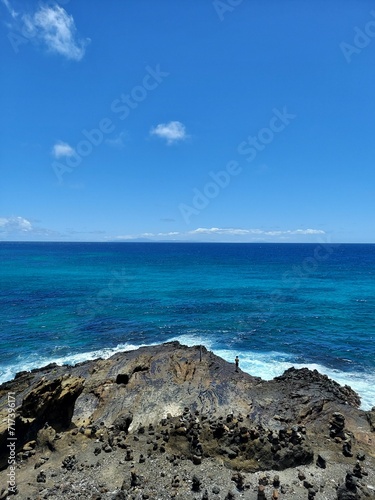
[{"x": 237, "y": 362}]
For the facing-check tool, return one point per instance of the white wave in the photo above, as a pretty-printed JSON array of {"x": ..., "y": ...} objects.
[
  {"x": 9, "y": 372},
  {"x": 273, "y": 364},
  {"x": 264, "y": 365},
  {"x": 193, "y": 339}
]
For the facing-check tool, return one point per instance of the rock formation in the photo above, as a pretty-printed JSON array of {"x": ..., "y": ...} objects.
[{"x": 161, "y": 423}]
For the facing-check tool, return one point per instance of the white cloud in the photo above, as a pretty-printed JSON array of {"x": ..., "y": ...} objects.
[
  {"x": 233, "y": 231},
  {"x": 156, "y": 236},
  {"x": 62, "y": 149},
  {"x": 224, "y": 234},
  {"x": 295, "y": 232},
  {"x": 217, "y": 230},
  {"x": 15, "y": 224},
  {"x": 173, "y": 131},
  {"x": 20, "y": 228},
  {"x": 11, "y": 11},
  {"x": 55, "y": 28},
  {"x": 119, "y": 140}
]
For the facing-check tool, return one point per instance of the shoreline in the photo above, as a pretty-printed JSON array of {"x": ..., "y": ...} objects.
[
  {"x": 159, "y": 421},
  {"x": 264, "y": 365}
]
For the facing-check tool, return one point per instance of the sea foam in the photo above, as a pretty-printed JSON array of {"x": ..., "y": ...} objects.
[
  {"x": 273, "y": 364},
  {"x": 264, "y": 365}
]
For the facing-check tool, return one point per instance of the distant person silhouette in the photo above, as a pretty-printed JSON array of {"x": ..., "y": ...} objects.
[{"x": 237, "y": 362}]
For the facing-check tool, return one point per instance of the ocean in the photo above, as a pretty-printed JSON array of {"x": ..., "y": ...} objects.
[{"x": 273, "y": 305}]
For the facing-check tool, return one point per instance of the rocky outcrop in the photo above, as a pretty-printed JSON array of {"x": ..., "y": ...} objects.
[
  {"x": 169, "y": 405},
  {"x": 239, "y": 444},
  {"x": 48, "y": 401}
]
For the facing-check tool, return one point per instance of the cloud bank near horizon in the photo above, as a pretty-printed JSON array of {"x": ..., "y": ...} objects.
[{"x": 17, "y": 227}]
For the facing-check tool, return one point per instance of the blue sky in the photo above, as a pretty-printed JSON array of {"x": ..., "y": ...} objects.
[{"x": 197, "y": 120}]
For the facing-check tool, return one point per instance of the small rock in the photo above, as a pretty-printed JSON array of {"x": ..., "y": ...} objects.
[
  {"x": 263, "y": 480},
  {"x": 301, "y": 476},
  {"x": 239, "y": 479},
  {"x": 359, "y": 471},
  {"x": 41, "y": 477},
  {"x": 347, "y": 449},
  {"x": 122, "y": 422},
  {"x": 205, "y": 495},
  {"x": 135, "y": 480},
  {"x": 307, "y": 484},
  {"x": 261, "y": 493},
  {"x": 196, "y": 483},
  {"x": 176, "y": 482},
  {"x": 69, "y": 462},
  {"x": 311, "y": 494},
  {"x": 321, "y": 462},
  {"x": 348, "y": 490},
  {"x": 39, "y": 463},
  {"x": 216, "y": 490},
  {"x": 29, "y": 446}
]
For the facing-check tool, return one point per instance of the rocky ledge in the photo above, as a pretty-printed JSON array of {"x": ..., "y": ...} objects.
[{"x": 172, "y": 421}]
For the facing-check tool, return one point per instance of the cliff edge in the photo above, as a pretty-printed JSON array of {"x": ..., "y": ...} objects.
[{"x": 171, "y": 421}]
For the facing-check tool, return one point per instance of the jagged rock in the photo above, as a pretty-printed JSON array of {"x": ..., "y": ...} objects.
[
  {"x": 347, "y": 449},
  {"x": 359, "y": 471},
  {"x": 321, "y": 462},
  {"x": 371, "y": 419},
  {"x": 205, "y": 495},
  {"x": 41, "y": 477},
  {"x": 263, "y": 480},
  {"x": 239, "y": 479},
  {"x": 189, "y": 404},
  {"x": 311, "y": 494},
  {"x": 176, "y": 481},
  {"x": 135, "y": 479},
  {"x": 196, "y": 483},
  {"x": 348, "y": 490},
  {"x": 69, "y": 462},
  {"x": 308, "y": 484},
  {"x": 49, "y": 401},
  {"x": 261, "y": 492},
  {"x": 361, "y": 456},
  {"x": 46, "y": 437},
  {"x": 301, "y": 475},
  {"x": 122, "y": 422}
]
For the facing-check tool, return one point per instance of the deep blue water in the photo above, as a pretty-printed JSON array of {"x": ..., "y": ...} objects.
[{"x": 275, "y": 305}]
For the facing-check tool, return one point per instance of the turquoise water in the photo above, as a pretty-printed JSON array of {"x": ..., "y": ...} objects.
[{"x": 275, "y": 305}]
